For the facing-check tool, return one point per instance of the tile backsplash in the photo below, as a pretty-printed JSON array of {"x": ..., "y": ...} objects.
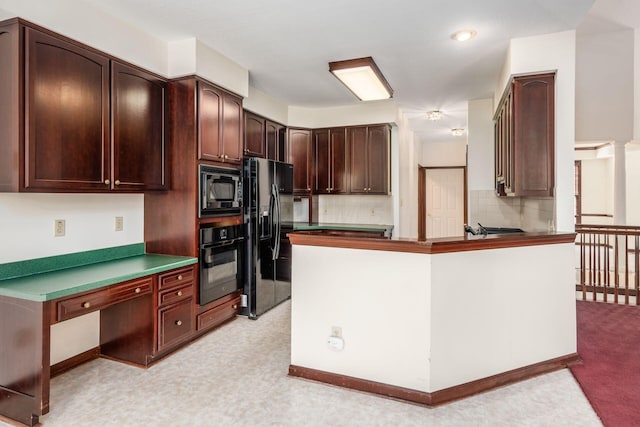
[
  {"x": 348, "y": 209},
  {"x": 529, "y": 213}
]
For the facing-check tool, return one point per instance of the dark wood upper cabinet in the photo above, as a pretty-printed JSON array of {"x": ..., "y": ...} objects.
[
  {"x": 264, "y": 138},
  {"x": 330, "y": 165},
  {"x": 524, "y": 137},
  {"x": 139, "y": 123},
  {"x": 254, "y": 135},
  {"x": 66, "y": 115},
  {"x": 299, "y": 144},
  {"x": 369, "y": 159},
  {"x": 358, "y": 176},
  {"x": 232, "y": 127},
  {"x": 276, "y": 141},
  {"x": 74, "y": 119},
  {"x": 219, "y": 124},
  {"x": 378, "y": 138}
]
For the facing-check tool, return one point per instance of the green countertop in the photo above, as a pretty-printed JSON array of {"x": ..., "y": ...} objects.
[
  {"x": 304, "y": 226},
  {"x": 38, "y": 280}
]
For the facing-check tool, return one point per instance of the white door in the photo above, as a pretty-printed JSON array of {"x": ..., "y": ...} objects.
[{"x": 445, "y": 202}]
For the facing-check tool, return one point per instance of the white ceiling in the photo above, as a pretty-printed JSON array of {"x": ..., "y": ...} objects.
[{"x": 286, "y": 44}]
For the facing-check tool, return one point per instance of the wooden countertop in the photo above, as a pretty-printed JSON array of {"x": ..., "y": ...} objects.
[{"x": 433, "y": 246}]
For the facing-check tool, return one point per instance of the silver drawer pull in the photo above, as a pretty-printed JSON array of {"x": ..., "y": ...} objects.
[{"x": 178, "y": 322}]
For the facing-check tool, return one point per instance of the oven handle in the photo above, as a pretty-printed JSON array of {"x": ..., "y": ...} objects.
[{"x": 220, "y": 244}]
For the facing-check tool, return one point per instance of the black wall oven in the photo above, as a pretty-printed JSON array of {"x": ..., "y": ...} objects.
[
  {"x": 220, "y": 191},
  {"x": 220, "y": 261}
]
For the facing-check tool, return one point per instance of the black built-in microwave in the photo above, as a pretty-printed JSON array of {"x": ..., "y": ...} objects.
[{"x": 220, "y": 191}]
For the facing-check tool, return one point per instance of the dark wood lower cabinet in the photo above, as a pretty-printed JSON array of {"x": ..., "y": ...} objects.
[
  {"x": 24, "y": 371},
  {"x": 218, "y": 311},
  {"x": 175, "y": 324}
]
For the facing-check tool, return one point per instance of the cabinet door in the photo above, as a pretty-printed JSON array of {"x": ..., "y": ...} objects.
[
  {"x": 533, "y": 135},
  {"x": 321, "y": 162},
  {"x": 378, "y": 159},
  {"x": 300, "y": 156},
  {"x": 358, "y": 180},
  {"x": 275, "y": 144},
  {"x": 254, "y": 135},
  {"x": 138, "y": 115},
  {"x": 232, "y": 128},
  {"x": 209, "y": 126},
  {"x": 67, "y": 116},
  {"x": 338, "y": 160}
]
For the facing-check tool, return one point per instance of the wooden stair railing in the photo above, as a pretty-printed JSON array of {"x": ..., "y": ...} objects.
[{"x": 608, "y": 263}]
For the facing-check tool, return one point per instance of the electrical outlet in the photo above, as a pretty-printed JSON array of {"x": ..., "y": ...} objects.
[
  {"x": 58, "y": 227},
  {"x": 119, "y": 223},
  {"x": 336, "y": 331}
]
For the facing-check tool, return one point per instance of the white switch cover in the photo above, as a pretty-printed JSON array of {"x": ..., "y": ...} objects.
[{"x": 119, "y": 223}]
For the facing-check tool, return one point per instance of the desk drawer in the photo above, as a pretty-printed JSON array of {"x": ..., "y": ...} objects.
[
  {"x": 176, "y": 278},
  {"x": 175, "y": 323},
  {"x": 169, "y": 296},
  {"x": 83, "y": 304}
]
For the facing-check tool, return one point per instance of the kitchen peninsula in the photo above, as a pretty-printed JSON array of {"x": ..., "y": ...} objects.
[{"x": 431, "y": 321}]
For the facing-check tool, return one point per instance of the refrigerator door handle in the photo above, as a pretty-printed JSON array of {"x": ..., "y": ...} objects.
[
  {"x": 273, "y": 222},
  {"x": 278, "y": 220}
]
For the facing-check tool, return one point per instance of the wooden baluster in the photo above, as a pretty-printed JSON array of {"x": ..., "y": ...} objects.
[
  {"x": 605, "y": 266},
  {"x": 626, "y": 269},
  {"x": 636, "y": 257},
  {"x": 583, "y": 266},
  {"x": 616, "y": 278}
]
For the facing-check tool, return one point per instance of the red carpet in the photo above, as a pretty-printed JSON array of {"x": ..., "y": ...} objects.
[{"x": 609, "y": 345}]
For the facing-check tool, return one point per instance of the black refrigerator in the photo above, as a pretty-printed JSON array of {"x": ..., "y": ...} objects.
[{"x": 268, "y": 217}]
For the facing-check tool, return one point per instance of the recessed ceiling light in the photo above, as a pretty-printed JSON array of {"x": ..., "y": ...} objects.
[
  {"x": 434, "y": 115},
  {"x": 464, "y": 35},
  {"x": 457, "y": 132}
]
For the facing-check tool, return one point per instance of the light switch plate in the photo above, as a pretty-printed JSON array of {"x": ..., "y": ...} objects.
[{"x": 119, "y": 223}]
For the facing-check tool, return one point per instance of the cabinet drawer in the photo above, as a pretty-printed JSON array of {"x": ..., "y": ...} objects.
[
  {"x": 176, "y": 278},
  {"x": 175, "y": 323},
  {"x": 170, "y": 296},
  {"x": 218, "y": 314},
  {"x": 79, "y": 305}
]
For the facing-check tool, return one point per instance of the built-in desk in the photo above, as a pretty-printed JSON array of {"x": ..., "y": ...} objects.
[{"x": 146, "y": 304}]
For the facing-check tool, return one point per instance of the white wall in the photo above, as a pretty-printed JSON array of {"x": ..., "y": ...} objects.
[
  {"x": 409, "y": 154},
  {"x": 605, "y": 86},
  {"x": 597, "y": 187},
  {"x": 266, "y": 106},
  {"x": 453, "y": 153},
  {"x": 544, "y": 53},
  {"x": 458, "y": 325},
  {"x": 480, "y": 168},
  {"x": 636, "y": 85},
  {"x": 633, "y": 178},
  {"x": 369, "y": 112},
  {"x": 27, "y": 228},
  {"x": 87, "y": 24}
]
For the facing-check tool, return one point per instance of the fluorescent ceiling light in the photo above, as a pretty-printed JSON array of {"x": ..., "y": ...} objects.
[
  {"x": 464, "y": 35},
  {"x": 434, "y": 115},
  {"x": 362, "y": 77}
]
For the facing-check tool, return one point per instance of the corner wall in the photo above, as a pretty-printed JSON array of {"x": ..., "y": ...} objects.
[{"x": 555, "y": 51}]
